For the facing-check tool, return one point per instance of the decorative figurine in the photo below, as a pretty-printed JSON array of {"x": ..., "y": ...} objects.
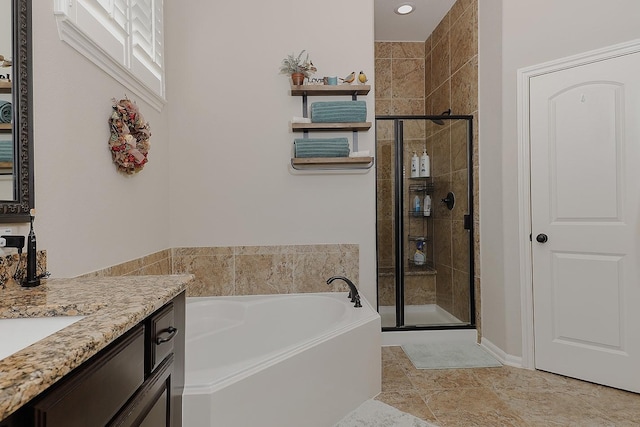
[
  {"x": 350, "y": 78},
  {"x": 362, "y": 77}
]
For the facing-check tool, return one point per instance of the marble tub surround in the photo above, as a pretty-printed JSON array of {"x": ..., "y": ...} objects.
[
  {"x": 11, "y": 263},
  {"x": 155, "y": 263},
  {"x": 111, "y": 306},
  {"x": 259, "y": 270}
]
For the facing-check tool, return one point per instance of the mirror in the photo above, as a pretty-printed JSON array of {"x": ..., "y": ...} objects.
[{"x": 16, "y": 149}]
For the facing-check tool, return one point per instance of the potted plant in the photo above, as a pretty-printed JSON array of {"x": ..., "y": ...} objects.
[{"x": 297, "y": 68}]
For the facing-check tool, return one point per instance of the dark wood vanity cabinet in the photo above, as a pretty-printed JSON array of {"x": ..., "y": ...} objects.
[{"x": 136, "y": 381}]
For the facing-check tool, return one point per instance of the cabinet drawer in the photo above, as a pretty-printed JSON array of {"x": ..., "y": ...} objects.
[
  {"x": 161, "y": 331},
  {"x": 94, "y": 394}
]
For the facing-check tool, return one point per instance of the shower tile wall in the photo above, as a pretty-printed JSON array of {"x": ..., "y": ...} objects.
[
  {"x": 449, "y": 58},
  {"x": 400, "y": 90}
]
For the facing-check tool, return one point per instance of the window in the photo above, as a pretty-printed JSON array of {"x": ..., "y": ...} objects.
[{"x": 123, "y": 37}]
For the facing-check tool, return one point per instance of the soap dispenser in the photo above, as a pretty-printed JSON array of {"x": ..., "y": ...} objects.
[
  {"x": 425, "y": 166},
  {"x": 415, "y": 165}
]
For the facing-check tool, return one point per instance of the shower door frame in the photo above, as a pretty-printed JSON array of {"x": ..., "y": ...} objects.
[{"x": 398, "y": 229}]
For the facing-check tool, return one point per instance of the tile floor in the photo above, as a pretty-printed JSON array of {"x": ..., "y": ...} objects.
[{"x": 503, "y": 396}]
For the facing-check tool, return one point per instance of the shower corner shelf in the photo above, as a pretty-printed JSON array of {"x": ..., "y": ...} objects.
[
  {"x": 330, "y": 163},
  {"x": 427, "y": 187}
]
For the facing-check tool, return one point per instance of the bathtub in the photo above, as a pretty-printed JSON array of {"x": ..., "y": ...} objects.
[{"x": 279, "y": 360}]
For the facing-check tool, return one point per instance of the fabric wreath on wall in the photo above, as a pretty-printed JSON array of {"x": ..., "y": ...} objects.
[{"x": 130, "y": 133}]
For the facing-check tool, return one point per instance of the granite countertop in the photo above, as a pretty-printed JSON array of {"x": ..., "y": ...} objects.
[{"x": 112, "y": 306}]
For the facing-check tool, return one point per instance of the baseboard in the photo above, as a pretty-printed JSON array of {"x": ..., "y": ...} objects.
[{"x": 498, "y": 353}]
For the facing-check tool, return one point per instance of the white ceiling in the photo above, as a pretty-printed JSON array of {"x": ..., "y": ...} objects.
[{"x": 416, "y": 26}]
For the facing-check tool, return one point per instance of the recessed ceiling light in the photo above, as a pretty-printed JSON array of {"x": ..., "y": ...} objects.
[{"x": 405, "y": 8}]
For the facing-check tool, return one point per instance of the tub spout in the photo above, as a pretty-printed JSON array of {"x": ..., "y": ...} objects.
[{"x": 353, "y": 291}]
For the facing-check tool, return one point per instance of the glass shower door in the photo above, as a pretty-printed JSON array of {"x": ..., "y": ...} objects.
[{"x": 425, "y": 262}]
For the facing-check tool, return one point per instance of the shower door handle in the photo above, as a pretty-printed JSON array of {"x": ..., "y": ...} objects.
[{"x": 542, "y": 238}]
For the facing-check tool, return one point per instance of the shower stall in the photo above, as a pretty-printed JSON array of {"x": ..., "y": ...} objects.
[{"x": 425, "y": 223}]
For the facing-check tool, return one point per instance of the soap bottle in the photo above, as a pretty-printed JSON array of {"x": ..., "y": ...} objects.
[
  {"x": 419, "y": 257},
  {"x": 415, "y": 165},
  {"x": 427, "y": 205},
  {"x": 416, "y": 205},
  {"x": 425, "y": 166}
]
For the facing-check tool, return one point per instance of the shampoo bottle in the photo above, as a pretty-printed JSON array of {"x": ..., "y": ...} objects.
[
  {"x": 415, "y": 165},
  {"x": 427, "y": 205},
  {"x": 416, "y": 205},
  {"x": 419, "y": 257},
  {"x": 425, "y": 167}
]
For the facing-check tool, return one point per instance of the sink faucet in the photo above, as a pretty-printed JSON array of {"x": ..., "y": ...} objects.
[{"x": 353, "y": 291}]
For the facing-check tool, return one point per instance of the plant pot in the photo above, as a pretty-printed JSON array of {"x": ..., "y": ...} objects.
[{"x": 297, "y": 78}]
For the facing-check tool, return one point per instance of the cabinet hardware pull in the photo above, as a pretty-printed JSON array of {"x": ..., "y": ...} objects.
[{"x": 171, "y": 333}]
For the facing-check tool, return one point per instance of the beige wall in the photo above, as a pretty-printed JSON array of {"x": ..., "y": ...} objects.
[
  {"x": 532, "y": 33},
  {"x": 88, "y": 215},
  {"x": 225, "y": 180},
  {"x": 231, "y": 183}
]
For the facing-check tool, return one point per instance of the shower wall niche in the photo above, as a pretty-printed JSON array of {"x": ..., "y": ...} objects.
[{"x": 439, "y": 291}]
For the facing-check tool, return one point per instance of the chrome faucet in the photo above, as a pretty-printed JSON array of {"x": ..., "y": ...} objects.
[{"x": 353, "y": 291}]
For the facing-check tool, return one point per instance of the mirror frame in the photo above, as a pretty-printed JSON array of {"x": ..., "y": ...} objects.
[{"x": 18, "y": 210}]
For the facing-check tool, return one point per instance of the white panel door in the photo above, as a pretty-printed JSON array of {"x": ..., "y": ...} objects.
[{"x": 585, "y": 198}]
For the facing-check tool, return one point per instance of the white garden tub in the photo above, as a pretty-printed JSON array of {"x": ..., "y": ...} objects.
[{"x": 279, "y": 360}]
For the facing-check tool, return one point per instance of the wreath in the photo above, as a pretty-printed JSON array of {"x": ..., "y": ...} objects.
[{"x": 129, "y": 141}]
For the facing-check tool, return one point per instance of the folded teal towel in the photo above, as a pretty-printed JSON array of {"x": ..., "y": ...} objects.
[
  {"x": 6, "y": 151},
  {"x": 321, "y": 147},
  {"x": 5, "y": 112},
  {"x": 309, "y": 140},
  {"x": 339, "y": 111}
]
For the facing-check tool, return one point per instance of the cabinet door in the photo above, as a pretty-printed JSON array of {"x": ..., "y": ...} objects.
[
  {"x": 151, "y": 405},
  {"x": 93, "y": 394}
]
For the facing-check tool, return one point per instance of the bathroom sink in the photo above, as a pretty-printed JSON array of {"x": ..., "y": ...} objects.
[{"x": 16, "y": 334}]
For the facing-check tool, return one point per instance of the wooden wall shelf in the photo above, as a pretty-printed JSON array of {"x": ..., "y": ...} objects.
[
  {"x": 303, "y": 127},
  {"x": 332, "y": 162},
  {"x": 328, "y": 90}
]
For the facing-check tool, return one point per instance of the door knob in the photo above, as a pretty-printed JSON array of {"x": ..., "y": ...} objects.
[{"x": 542, "y": 238}]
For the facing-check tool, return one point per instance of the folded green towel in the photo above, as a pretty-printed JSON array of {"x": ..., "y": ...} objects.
[
  {"x": 5, "y": 112},
  {"x": 321, "y": 147},
  {"x": 345, "y": 140},
  {"x": 338, "y": 111}
]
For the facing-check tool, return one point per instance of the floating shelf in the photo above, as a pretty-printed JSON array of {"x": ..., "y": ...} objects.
[
  {"x": 6, "y": 165},
  {"x": 4, "y": 127},
  {"x": 328, "y": 90},
  {"x": 303, "y": 127},
  {"x": 331, "y": 162},
  {"x": 5, "y": 86}
]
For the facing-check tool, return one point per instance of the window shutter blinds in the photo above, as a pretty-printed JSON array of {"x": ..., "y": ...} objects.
[
  {"x": 97, "y": 20},
  {"x": 129, "y": 32},
  {"x": 146, "y": 36}
]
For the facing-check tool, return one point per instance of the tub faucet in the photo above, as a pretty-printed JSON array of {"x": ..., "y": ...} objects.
[{"x": 353, "y": 291}]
